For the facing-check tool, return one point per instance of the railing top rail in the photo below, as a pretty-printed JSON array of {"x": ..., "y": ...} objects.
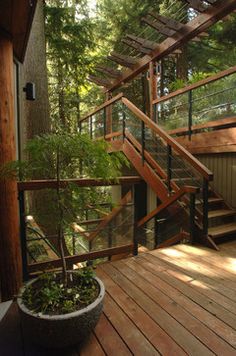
[
  {"x": 204, "y": 171},
  {"x": 196, "y": 85},
  {"x": 83, "y": 182},
  {"x": 103, "y": 106}
]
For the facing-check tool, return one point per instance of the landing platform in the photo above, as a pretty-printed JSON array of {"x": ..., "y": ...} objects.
[{"x": 172, "y": 301}]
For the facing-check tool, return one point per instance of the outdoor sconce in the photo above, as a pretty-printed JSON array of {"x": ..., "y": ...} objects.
[{"x": 29, "y": 89}]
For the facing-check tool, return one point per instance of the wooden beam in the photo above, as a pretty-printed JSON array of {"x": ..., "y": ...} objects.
[
  {"x": 125, "y": 61},
  {"x": 170, "y": 200},
  {"x": 143, "y": 42},
  {"x": 196, "y": 5},
  {"x": 43, "y": 266},
  {"x": 171, "y": 23},
  {"x": 190, "y": 30},
  {"x": 136, "y": 46},
  {"x": 204, "y": 171},
  {"x": 83, "y": 182},
  {"x": 10, "y": 250},
  {"x": 104, "y": 105},
  {"x": 198, "y": 84},
  {"x": 145, "y": 171},
  {"x": 159, "y": 27},
  {"x": 114, "y": 73},
  {"x": 99, "y": 81}
]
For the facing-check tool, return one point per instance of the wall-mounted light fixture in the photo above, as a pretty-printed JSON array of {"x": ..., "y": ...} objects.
[{"x": 29, "y": 89}]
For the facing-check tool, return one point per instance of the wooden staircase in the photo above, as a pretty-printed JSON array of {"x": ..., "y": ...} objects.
[{"x": 168, "y": 167}]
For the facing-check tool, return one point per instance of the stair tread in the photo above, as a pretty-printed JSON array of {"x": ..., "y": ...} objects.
[
  {"x": 220, "y": 212},
  {"x": 221, "y": 230},
  {"x": 211, "y": 200}
]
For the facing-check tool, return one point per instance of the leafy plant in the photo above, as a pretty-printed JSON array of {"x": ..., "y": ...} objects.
[
  {"x": 65, "y": 155},
  {"x": 50, "y": 296}
]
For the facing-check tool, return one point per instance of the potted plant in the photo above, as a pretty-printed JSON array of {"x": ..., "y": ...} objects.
[{"x": 60, "y": 309}]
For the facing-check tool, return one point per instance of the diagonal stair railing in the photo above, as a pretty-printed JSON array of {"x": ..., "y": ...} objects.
[{"x": 162, "y": 162}]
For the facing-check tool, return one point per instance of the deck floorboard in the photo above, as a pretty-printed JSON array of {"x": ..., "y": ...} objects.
[{"x": 173, "y": 301}]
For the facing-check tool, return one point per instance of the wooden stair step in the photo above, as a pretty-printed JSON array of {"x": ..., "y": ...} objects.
[
  {"x": 211, "y": 200},
  {"x": 220, "y": 213},
  {"x": 218, "y": 231}
]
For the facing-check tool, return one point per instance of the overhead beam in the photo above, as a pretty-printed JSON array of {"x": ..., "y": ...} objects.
[
  {"x": 196, "y": 5},
  {"x": 171, "y": 23},
  {"x": 125, "y": 61},
  {"x": 136, "y": 46},
  {"x": 143, "y": 42},
  {"x": 99, "y": 81},
  {"x": 159, "y": 27},
  {"x": 190, "y": 30},
  {"x": 111, "y": 72}
]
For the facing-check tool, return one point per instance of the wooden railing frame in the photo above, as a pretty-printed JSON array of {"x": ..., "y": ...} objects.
[
  {"x": 42, "y": 266},
  {"x": 205, "y": 172},
  {"x": 82, "y": 182},
  {"x": 172, "y": 199},
  {"x": 216, "y": 124},
  {"x": 196, "y": 85},
  {"x": 103, "y": 106}
]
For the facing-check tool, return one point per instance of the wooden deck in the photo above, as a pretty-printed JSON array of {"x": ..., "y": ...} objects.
[{"x": 173, "y": 301}]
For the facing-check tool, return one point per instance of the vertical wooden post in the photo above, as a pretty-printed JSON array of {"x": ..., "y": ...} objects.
[
  {"x": 10, "y": 252},
  {"x": 108, "y": 114},
  {"x": 152, "y": 87}
]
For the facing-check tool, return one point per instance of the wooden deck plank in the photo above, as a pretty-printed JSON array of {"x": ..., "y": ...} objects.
[
  {"x": 196, "y": 294},
  {"x": 131, "y": 335},
  {"x": 92, "y": 347},
  {"x": 160, "y": 340},
  {"x": 169, "y": 285},
  {"x": 192, "y": 268},
  {"x": 110, "y": 340},
  {"x": 193, "y": 325},
  {"x": 214, "y": 259},
  {"x": 182, "y": 336},
  {"x": 216, "y": 268}
]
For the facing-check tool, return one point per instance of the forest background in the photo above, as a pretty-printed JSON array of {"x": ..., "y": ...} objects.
[{"x": 80, "y": 35}]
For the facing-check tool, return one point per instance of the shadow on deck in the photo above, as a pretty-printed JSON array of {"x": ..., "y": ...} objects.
[{"x": 174, "y": 301}]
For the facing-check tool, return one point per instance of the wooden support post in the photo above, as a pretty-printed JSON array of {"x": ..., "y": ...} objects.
[
  {"x": 108, "y": 114},
  {"x": 10, "y": 252},
  {"x": 152, "y": 88}
]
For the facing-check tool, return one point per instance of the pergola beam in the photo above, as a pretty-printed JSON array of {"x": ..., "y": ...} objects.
[
  {"x": 164, "y": 30},
  {"x": 136, "y": 46},
  {"x": 125, "y": 61},
  {"x": 111, "y": 72},
  {"x": 143, "y": 42},
  {"x": 190, "y": 30},
  {"x": 196, "y": 5},
  {"x": 99, "y": 81}
]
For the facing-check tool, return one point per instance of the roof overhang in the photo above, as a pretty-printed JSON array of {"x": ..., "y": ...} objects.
[{"x": 16, "y": 18}]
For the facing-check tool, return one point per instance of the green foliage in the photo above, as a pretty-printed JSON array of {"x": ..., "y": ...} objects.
[{"x": 48, "y": 295}]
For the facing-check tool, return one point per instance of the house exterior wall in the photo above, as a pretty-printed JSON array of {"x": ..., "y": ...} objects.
[{"x": 223, "y": 166}]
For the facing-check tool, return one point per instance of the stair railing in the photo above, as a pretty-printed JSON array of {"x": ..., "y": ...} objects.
[
  {"x": 126, "y": 124},
  {"x": 194, "y": 107},
  {"x": 182, "y": 220}
]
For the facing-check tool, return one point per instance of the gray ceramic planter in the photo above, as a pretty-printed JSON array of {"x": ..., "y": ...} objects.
[{"x": 59, "y": 331}]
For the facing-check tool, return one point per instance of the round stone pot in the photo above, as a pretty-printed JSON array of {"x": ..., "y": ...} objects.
[{"x": 58, "y": 331}]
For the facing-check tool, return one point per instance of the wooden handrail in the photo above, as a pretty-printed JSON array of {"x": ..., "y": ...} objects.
[
  {"x": 198, "y": 84},
  {"x": 167, "y": 203},
  {"x": 82, "y": 182},
  {"x": 42, "y": 266},
  {"x": 115, "y": 211},
  {"x": 204, "y": 171},
  {"x": 207, "y": 125},
  {"x": 103, "y": 106}
]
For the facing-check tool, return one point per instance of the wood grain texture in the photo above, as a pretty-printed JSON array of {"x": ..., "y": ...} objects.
[{"x": 10, "y": 250}]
